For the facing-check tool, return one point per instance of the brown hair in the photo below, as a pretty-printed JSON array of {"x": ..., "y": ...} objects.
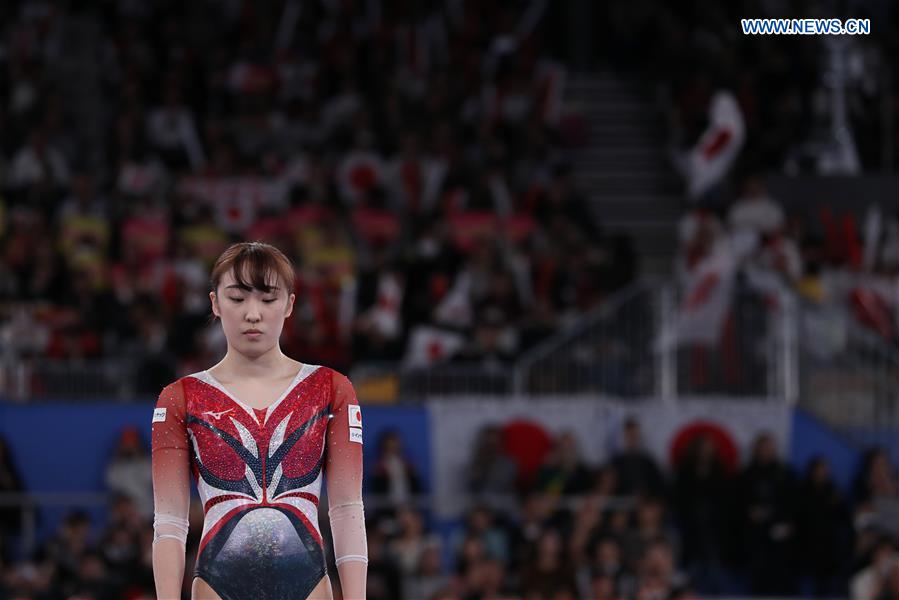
[{"x": 262, "y": 263}]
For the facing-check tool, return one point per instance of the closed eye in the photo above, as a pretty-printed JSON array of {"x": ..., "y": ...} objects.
[
  {"x": 236, "y": 299},
  {"x": 270, "y": 300}
]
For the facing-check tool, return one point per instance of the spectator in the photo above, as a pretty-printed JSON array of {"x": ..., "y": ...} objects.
[
  {"x": 411, "y": 541},
  {"x": 66, "y": 549},
  {"x": 172, "y": 131},
  {"x": 483, "y": 524},
  {"x": 890, "y": 583},
  {"x": 379, "y": 297},
  {"x": 649, "y": 527},
  {"x": 877, "y": 477},
  {"x": 602, "y": 587},
  {"x": 587, "y": 520},
  {"x": 823, "y": 531},
  {"x": 39, "y": 166},
  {"x": 636, "y": 470},
  {"x": 867, "y": 584},
  {"x": 491, "y": 472},
  {"x": 429, "y": 576},
  {"x": 384, "y": 576},
  {"x": 11, "y": 516},
  {"x": 93, "y": 581},
  {"x": 657, "y": 575},
  {"x": 563, "y": 471},
  {"x": 395, "y": 478},
  {"x": 877, "y": 491},
  {"x": 702, "y": 503},
  {"x": 487, "y": 579},
  {"x": 755, "y": 211},
  {"x": 767, "y": 506},
  {"x": 607, "y": 564},
  {"x": 128, "y": 473},
  {"x": 548, "y": 573}
]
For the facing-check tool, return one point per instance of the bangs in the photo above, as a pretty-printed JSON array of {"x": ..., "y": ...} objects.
[
  {"x": 256, "y": 271},
  {"x": 255, "y": 266}
]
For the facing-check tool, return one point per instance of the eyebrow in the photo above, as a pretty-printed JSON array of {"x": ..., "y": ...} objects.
[{"x": 249, "y": 289}]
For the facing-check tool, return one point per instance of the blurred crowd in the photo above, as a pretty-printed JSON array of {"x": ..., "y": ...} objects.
[
  {"x": 739, "y": 262},
  {"x": 781, "y": 82},
  {"x": 412, "y": 159},
  {"x": 741, "y": 107},
  {"x": 626, "y": 529}
]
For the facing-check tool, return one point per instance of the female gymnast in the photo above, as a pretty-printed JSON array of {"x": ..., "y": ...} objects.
[{"x": 256, "y": 432}]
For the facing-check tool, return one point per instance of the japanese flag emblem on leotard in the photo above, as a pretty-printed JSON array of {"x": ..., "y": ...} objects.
[
  {"x": 355, "y": 421},
  {"x": 355, "y": 415}
]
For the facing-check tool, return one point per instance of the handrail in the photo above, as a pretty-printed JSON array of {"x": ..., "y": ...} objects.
[
  {"x": 856, "y": 379},
  {"x": 608, "y": 349},
  {"x": 548, "y": 347}
]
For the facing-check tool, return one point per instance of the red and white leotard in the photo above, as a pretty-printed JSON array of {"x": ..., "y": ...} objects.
[{"x": 259, "y": 475}]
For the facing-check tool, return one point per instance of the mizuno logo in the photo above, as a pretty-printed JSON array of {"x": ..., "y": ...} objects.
[{"x": 217, "y": 415}]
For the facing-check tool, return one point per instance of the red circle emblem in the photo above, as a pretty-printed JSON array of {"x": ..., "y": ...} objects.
[
  {"x": 527, "y": 443},
  {"x": 725, "y": 446}
]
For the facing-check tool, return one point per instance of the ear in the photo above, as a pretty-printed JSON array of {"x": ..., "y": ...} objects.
[
  {"x": 290, "y": 301},
  {"x": 215, "y": 304}
]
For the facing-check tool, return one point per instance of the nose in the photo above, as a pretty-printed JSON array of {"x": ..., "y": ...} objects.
[{"x": 253, "y": 314}]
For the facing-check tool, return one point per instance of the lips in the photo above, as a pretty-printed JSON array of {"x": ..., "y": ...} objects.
[{"x": 251, "y": 331}]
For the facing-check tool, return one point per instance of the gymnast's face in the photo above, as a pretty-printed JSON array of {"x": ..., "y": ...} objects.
[{"x": 252, "y": 319}]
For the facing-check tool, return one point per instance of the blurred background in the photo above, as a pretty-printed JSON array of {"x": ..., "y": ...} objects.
[{"x": 616, "y": 284}]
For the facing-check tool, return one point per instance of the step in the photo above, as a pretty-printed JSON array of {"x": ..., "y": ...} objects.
[
  {"x": 626, "y": 170},
  {"x": 623, "y": 132},
  {"x": 651, "y": 164},
  {"x": 623, "y": 212},
  {"x": 618, "y": 103},
  {"x": 576, "y": 89},
  {"x": 624, "y": 178}
]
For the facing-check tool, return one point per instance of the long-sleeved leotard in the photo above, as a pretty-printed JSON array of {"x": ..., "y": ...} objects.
[{"x": 259, "y": 473}]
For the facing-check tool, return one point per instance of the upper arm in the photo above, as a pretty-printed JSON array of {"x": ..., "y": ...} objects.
[
  {"x": 170, "y": 452},
  {"x": 343, "y": 467}
]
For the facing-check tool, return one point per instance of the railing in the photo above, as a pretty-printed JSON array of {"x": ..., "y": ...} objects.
[
  {"x": 394, "y": 382},
  {"x": 608, "y": 351},
  {"x": 618, "y": 350},
  {"x": 30, "y": 378},
  {"x": 755, "y": 355},
  {"x": 850, "y": 375},
  {"x": 612, "y": 351}
]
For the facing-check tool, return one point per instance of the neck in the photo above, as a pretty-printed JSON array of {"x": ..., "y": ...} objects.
[{"x": 242, "y": 366}]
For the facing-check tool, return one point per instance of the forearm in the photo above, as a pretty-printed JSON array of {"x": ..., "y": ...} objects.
[
  {"x": 168, "y": 568},
  {"x": 352, "y": 579}
]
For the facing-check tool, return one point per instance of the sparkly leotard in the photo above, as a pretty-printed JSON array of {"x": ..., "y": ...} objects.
[{"x": 259, "y": 474}]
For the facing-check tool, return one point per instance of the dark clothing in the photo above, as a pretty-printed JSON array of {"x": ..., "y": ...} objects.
[
  {"x": 702, "y": 500},
  {"x": 767, "y": 511},
  {"x": 702, "y": 504},
  {"x": 824, "y": 536},
  {"x": 638, "y": 473},
  {"x": 548, "y": 583},
  {"x": 557, "y": 480}
]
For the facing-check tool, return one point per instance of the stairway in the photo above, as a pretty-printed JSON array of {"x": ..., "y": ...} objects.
[{"x": 625, "y": 171}]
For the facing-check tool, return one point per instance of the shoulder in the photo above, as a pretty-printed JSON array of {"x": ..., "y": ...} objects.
[
  {"x": 341, "y": 387},
  {"x": 335, "y": 377},
  {"x": 338, "y": 376},
  {"x": 173, "y": 392},
  {"x": 175, "y": 386}
]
